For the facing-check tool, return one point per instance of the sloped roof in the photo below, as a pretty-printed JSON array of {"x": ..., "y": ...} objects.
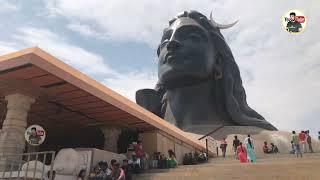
[{"x": 66, "y": 96}]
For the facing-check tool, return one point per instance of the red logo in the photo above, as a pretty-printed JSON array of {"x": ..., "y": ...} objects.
[
  {"x": 300, "y": 19},
  {"x": 40, "y": 132}
]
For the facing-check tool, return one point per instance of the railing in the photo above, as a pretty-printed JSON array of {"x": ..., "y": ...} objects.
[
  {"x": 211, "y": 144},
  {"x": 27, "y": 166}
]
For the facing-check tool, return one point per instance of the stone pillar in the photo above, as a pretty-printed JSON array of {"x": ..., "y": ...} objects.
[
  {"x": 111, "y": 136},
  {"x": 12, "y": 139}
]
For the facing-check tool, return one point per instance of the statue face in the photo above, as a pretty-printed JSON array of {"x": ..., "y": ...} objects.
[{"x": 185, "y": 53}]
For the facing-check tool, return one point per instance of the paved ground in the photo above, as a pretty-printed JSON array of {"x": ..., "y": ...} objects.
[{"x": 282, "y": 167}]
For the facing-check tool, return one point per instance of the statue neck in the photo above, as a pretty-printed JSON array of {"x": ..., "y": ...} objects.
[{"x": 198, "y": 104}]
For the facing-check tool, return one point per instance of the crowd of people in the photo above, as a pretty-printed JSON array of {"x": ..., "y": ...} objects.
[
  {"x": 245, "y": 151},
  {"x": 160, "y": 161},
  {"x": 103, "y": 172},
  {"x": 194, "y": 158},
  {"x": 300, "y": 141},
  {"x": 137, "y": 162}
]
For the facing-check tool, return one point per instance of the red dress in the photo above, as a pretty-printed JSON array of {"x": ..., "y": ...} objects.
[{"x": 242, "y": 154}]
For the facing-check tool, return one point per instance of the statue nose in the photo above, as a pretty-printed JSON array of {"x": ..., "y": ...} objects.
[{"x": 173, "y": 45}]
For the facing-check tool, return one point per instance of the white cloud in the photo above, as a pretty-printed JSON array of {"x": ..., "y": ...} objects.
[
  {"x": 85, "y": 30},
  {"x": 123, "y": 20},
  {"x": 6, "y": 6},
  {"x": 76, "y": 56},
  {"x": 6, "y": 48},
  {"x": 125, "y": 83}
]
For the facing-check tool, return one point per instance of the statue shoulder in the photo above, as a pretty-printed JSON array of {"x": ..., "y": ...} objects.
[{"x": 149, "y": 99}]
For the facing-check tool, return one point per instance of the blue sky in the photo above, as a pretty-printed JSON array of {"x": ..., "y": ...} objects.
[{"x": 115, "y": 43}]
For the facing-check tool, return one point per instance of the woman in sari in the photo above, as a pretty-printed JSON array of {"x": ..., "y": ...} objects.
[
  {"x": 172, "y": 162},
  {"x": 251, "y": 155},
  {"x": 242, "y": 153}
]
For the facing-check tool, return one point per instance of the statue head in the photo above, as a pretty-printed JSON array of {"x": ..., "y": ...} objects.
[{"x": 190, "y": 50}]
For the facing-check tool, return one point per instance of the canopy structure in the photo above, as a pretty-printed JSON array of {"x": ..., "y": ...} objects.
[{"x": 67, "y": 98}]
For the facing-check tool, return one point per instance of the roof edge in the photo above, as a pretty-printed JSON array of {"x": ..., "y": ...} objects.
[{"x": 18, "y": 53}]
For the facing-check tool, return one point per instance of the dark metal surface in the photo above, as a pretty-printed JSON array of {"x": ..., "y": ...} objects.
[{"x": 199, "y": 80}]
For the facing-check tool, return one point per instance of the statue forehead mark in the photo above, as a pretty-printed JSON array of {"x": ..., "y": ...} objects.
[{"x": 185, "y": 21}]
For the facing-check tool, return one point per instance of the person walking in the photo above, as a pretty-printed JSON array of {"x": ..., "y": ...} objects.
[
  {"x": 223, "y": 147},
  {"x": 251, "y": 155},
  {"x": 302, "y": 139},
  {"x": 295, "y": 142},
  {"x": 242, "y": 153},
  {"x": 309, "y": 141},
  {"x": 235, "y": 145}
]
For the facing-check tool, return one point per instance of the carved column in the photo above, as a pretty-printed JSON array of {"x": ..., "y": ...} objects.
[
  {"x": 111, "y": 136},
  {"x": 12, "y": 139}
]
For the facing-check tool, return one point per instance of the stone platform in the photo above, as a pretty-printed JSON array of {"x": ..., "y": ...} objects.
[
  {"x": 279, "y": 167},
  {"x": 282, "y": 139}
]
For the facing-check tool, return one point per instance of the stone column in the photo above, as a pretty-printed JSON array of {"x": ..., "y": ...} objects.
[
  {"x": 111, "y": 136},
  {"x": 12, "y": 139}
]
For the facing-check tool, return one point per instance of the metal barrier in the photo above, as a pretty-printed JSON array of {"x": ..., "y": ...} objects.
[
  {"x": 27, "y": 165},
  {"x": 211, "y": 144}
]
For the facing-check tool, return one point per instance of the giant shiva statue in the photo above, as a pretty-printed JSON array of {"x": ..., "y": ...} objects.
[{"x": 199, "y": 80}]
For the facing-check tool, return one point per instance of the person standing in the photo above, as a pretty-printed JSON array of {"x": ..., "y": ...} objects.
[
  {"x": 302, "y": 139},
  {"x": 251, "y": 156},
  {"x": 295, "y": 142},
  {"x": 140, "y": 153},
  {"x": 242, "y": 153},
  {"x": 223, "y": 147},
  {"x": 309, "y": 141},
  {"x": 235, "y": 145},
  {"x": 274, "y": 148}
]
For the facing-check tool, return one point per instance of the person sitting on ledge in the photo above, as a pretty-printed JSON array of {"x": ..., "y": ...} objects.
[
  {"x": 126, "y": 167},
  {"x": 266, "y": 150},
  {"x": 96, "y": 174},
  {"x": 274, "y": 149},
  {"x": 186, "y": 159},
  {"x": 202, "y": 157},
  {"x": 117, "y": 172},
  {"x": 163, "y": 162},
  {"x": 81, "y": 175},
  {"x": 172, "y": 162}
]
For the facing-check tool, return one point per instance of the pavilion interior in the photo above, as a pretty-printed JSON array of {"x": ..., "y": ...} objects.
[{"x": 71, "y": 116}]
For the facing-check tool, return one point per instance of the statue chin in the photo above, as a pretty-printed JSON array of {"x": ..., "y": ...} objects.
[{"x": 172, "y": 78}]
